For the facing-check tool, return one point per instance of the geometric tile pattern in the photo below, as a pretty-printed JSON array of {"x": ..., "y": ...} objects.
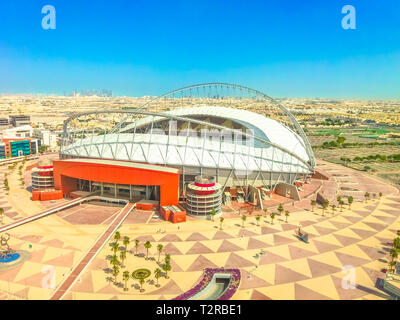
[{"x": 274, "y": 264}]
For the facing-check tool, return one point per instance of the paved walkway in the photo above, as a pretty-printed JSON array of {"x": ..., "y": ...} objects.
[
  {"x": 90, "y": 255},
  {"x": 40, "y": 215}
]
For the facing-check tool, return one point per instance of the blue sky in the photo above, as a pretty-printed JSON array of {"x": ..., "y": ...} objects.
[{"x": 145, "y": 47}]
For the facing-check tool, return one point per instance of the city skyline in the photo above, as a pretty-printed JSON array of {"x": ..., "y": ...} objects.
[{"x": 145, "y": 49}]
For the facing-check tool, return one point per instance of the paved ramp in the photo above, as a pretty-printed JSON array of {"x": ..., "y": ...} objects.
[
  {"x": 71, "y": 278},
  {"x": 53, "y": 210}
]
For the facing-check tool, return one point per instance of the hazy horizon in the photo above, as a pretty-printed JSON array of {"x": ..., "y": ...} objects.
[{"x": 282, "y": 48}]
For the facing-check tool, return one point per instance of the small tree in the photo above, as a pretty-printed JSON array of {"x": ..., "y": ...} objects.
[
  {"x": 136, "y": 245},
  {"x": 333, "y": 208},
  {"x": 167, "y": 258},
  {"x": 380, "y": 195},
  {"x": 166, "y": 267},
  {"x": 114, "y": 260},
  {"x": 243, "y": 220},
  {"x": 212, "y": 214},
  {"x": 157, "y": 275},
  {"x": 141, "y": 281},
  {"x": 272, "y": 216},
  {"x": 325, "y": 205},
  {"x": 394, "y": 253},
  {"x": 341, "y": 203},
  {"x": 287, "y": 214},
  {"x": 396, "y": 243},
  {"x": 125, "y": 277},
  {"x": 147, "y": 245},
  {"x": 221, "y": 220},
  {"x": 122, "y": 256},
  {"x": 350, "y": 200},
  {"x": 366, "y": 195},
  {"x": 159, "y": 249},
  {"x": 1, "y": 215},
  {"x": 115, "y": 272},
  {"x": 391, "y": 266},
  {"x": 313, "y": 204},
  {"x": 117, "y": 236},
  {"x": 115, "y": 247},
  {"x": 258, "y": 217},
  {"x": 280, "y": 208},
  {"x": 126, "y": 241}
]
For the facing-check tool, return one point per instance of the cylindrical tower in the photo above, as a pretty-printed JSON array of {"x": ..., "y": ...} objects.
[
  {"x": 42, "y": 176},
  {"x": 203, "y": 196}
]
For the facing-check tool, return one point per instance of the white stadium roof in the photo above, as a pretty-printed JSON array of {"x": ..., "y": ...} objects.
[{"x": 285, "y": 153}]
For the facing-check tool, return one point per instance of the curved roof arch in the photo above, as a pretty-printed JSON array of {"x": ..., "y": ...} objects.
[{"x": 222, "y": 93}]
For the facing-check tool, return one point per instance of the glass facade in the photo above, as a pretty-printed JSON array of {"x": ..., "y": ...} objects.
[{"x": 20, "y": 148}]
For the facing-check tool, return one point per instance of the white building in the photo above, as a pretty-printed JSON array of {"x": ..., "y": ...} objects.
[
  {"x": 18, "y": 132},
  {"x": 47, "y": 137}
]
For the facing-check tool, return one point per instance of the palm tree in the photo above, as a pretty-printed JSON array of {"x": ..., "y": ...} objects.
[
  {"x": 396, "y": 243},
  {"x": 258, "y": 217},
  {"x": 325, "y": 205},
  {"x": 122, "y": 256},
  {"x": 137, "y": 245},
  {"x": 350, "y": 200},
  {"x": 221, "y": 220},
  {"x": 167, "y": 258},
  {"x": 157, "y": 275},
  {"x": 159, "y": 249},
  {"x": 115, "y": 247},
  {"x": 125, "y": 277},
  {"x": 147, "y": 245},
  {"x": 380, "y": 195},
  {"x": 212, "y": 214},
  {"x": 333, "y": 209},
  {"x": 341, "y": 203},
  {"x": 1, "y": 215},
  {"x": 243, "y": 220},
  {"x": 287, "y": 214},
  {"x": 166, "y": 267},
  {"x": 374, "y": 195},
  {"x": 313, "y": 204},
  {"x": 394, "y": 253},
  {"x": 117, "y": 236},
  {"x": 141, "y": 281},
  {"x": 366, "y": 195},
  {"x": 114, "y": 260},
  {"x": 115, "y": 272},
  {"x": 272, "y": 215},
  {"x": 391, "y": 266},
  {"x": 280, "y": 208},
  {"x": 126, "y": 241}
]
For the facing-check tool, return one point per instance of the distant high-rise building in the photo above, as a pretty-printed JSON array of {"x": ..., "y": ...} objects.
[{"x": 19, "y": 120}]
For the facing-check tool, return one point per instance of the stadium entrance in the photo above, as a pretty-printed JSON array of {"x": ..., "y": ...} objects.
[{"x": 124, "y": 191}]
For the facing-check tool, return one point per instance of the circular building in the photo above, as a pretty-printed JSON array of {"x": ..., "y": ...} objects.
[
  {"x": 240, "y": 136},
  {"x": 42, "y": 175},
  {"x": 203, "y": 197}
]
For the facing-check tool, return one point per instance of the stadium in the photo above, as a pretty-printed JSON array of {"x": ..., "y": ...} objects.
[{"x": 209, "y": 142}]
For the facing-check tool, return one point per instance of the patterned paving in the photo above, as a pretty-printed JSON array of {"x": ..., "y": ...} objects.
[{"x": 286, "y": 269}]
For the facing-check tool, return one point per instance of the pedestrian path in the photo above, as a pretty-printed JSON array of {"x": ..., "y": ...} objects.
[{"x": 92, "y": 252}]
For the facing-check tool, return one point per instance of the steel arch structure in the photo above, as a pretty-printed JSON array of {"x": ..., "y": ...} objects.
[
  {"x": 134, "y": 135},
  {"x": 222, "y": 89}
]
